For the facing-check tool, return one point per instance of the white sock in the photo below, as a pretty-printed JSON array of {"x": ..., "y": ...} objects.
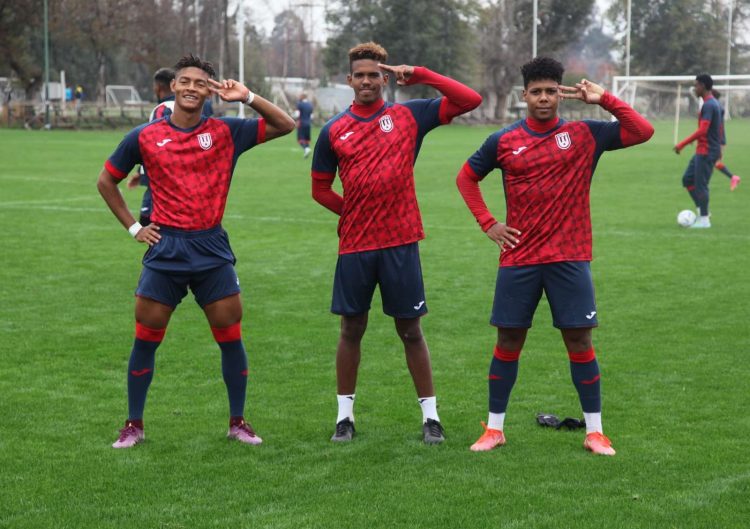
[
  {"x": 429, "y": 408},
  {"x": 593, "y": 422},
  {"x": 346, "y": 407},
  {"x": 496, "y": 421}
]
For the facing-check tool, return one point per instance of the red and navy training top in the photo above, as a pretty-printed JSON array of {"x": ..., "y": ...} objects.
[{"x": 189, "y": 170}]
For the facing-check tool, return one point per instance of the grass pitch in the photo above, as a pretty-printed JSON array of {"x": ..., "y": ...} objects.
[{"x": 673, "y": 346}]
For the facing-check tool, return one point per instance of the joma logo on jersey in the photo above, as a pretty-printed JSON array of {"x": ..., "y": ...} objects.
[
  {"x": 563, "y": 140},
  {"x": 386, "y": 123},
  {"x": 205, "y": 141}
]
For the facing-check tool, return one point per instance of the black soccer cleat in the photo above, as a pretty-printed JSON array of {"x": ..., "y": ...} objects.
[
  {"x": 344, "y": 431},
  {"x": 432, "y": 432}
]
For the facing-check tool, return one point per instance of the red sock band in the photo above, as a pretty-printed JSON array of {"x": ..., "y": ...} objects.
[
  {"x": 506, "y": 356},
  {"x": 147, "y": 334},
  {"x": 227, "y": 334},
  {"x": 582, "y": 358},
  {"x": 720, "y": 166}
]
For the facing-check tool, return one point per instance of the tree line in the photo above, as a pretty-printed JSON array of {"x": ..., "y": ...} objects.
[{"x": 483, "y": 43}]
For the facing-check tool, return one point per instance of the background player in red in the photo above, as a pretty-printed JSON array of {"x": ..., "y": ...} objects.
[
  {"x": 547, "y": 164},
  {"x": 373, "y": 145},
  {"x": 165, "y": 97},
  {"x": 190, "y": 160},
  {"x": 707, "y": 151}
]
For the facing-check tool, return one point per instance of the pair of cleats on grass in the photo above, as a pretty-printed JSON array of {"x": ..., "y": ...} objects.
[
  {"x": 595, "y": 442},
  {"x": 132, "y": 434},
  {"x": 432, "y": 431}
]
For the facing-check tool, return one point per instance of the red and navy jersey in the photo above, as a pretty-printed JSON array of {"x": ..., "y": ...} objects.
[
  {"x": 710, "y": 143},
  {"x": 546, "y": 178},
  {"x": 162, "y": 110},
  {"x": 375, "y": 158},
  {"x": 189, "y": 169}
]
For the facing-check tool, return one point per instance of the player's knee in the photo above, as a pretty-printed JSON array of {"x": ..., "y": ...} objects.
[
  {"x": 511, "y": 339},
  {"x": 353, "y": 328}
]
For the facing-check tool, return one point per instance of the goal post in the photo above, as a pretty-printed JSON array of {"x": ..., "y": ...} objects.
[{"x": 665, "y": 95}]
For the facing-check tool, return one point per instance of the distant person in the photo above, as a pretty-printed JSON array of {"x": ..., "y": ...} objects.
[
  {"x": 373, "y": 146},
  {"x": 545, "y": 243},
  {"x": 734, "y": 180},
  {"x": 304, "y": 123},
  {"x": 162, "y": 87},
  {"x": 79, "y": 98},
  {"x": 708, "y": 151},
  {"x": 190, "y": 160}
]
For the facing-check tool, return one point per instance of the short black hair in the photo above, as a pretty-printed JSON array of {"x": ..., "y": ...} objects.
[
  {"x": 705, "y": 80},
  {"x": 164, "y": 77},
  {"x": 540, "y": 69},
  {"x": 194, "y": 61}
]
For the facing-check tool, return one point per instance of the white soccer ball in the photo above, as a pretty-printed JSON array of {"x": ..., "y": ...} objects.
[{"x": 686, "y": 218}]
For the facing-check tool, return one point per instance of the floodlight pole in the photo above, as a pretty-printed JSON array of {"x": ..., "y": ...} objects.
[
  {"x": 241, "y": 54},
  {"x": 533, "y": 28},
  {"x": 729, "y": 57},
  {"x": 627, "y": 41},
  {"x": 47, "y": 124}
]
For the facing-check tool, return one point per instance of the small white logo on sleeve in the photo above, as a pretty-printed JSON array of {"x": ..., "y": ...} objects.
[
  {"x": 345, "y": 136},
  {"x": 205, "y": 141},
  {"x": 163, "y": 142},
  {"x": 418, "y": 305},
  {"x": 519, "y": 150},
  {"x": 589, "y": 316},
  {"x": 563, "y": 140}
]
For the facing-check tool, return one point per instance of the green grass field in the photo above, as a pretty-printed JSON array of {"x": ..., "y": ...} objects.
[{"x": 673, "y": 345}]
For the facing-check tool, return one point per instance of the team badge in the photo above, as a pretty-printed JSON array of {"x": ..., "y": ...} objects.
[
  {"x": 205, "y": 141},
  {"x": 386, "y": 123},
  {"x": 563, "y": 140}
]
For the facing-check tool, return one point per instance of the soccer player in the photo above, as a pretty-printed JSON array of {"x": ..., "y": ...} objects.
[
  {"x": 373, "y": 145},
  {"x": 190, "y": 160},
  {"x": 734, "y": 180},
  {"x": 708, "y": 151},
  {"x": 304, "y": 120},
  {"x": 545, "y": 243},
  {"x": 165, "y": 97}
]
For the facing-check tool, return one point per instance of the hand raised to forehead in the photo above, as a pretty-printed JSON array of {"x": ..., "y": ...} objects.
[
  {"x": 229, "y": 89},
  {"x": 402, "y": 72},
  {"x": 585, "y": 91}
]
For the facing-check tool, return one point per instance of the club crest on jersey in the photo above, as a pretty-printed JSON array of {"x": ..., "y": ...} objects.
[
  {"x": 205, "y": 141},
  {"x": 386, "y": 123},
  {"x": 563, "y": 140}
]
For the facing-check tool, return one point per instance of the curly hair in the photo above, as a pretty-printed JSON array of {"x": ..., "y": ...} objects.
[
  {"x": 542, "y": 69},
  {"x": 367, "y": 50},
  {"x": 194, "y": 61}
]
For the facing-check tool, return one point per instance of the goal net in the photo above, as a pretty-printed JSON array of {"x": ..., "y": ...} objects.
[
  {"x": 121, "y": 95},
  {"x": 670, "y": 97}
]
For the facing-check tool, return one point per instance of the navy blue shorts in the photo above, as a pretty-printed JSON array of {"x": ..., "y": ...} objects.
[
  {"x": 698, "y": 172},
  {"x": 303, "y": 132},
  {"x": 396, "y": 270},
  {"x": 201, "y": 260},
  {"x": 568, "y": 286}
]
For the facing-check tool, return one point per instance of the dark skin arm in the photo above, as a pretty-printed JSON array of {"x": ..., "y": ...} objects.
[{"x": 107, "y": 185}]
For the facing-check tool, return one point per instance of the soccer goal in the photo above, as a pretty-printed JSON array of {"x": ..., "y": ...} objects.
[
  {"x": 121, "y": 95},
  {"x": 671, "y": 96}
]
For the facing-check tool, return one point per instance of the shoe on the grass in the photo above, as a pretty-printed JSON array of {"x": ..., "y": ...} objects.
[
  {"x": 344, "y": 431},
  {"x": 244, "y": 433},
  {"x": 490, "y": 439},
  {"x": 701, "y": 222},
  {"x": 130, "y": 436},
  {"x": 432, "y": 432},
  {"x": 598, "y": 443},
  {"x": 307, "y": 152},
  {"x": 734, "y": 182}
]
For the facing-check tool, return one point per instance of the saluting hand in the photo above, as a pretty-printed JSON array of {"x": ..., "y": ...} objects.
[
  {"x": 503, "y": 235},
  {"x": 229, "y": 90},
  {"x": 402, "y": 72},
  {"x": 585, "y": 91}
]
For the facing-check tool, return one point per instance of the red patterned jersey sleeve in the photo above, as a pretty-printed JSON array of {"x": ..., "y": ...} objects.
[
  {"x": 468, "y": 185},
  {"x": 458, "y": 99},
  {"x": 634, "y": 128}
]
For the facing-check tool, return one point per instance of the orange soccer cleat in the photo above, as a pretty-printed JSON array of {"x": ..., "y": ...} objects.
[
  {"x": 489, "y": 440},
  {"x": 598, "y": 443}
]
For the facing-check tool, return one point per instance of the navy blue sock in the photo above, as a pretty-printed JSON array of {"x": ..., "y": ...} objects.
[
  {"x": 502, "y": 377},
  {"x": 233, "y": 367},
  {"x": 141, "y": 368},
  {"x": 584, "y": 369}
]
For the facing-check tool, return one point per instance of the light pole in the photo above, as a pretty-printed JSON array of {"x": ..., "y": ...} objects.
[
  {"x": 533, "y": 28},
  {"x": 241, "y": 54},
  {"x": 729, "y": 57},
  {"x": 47, "y": 124}
]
